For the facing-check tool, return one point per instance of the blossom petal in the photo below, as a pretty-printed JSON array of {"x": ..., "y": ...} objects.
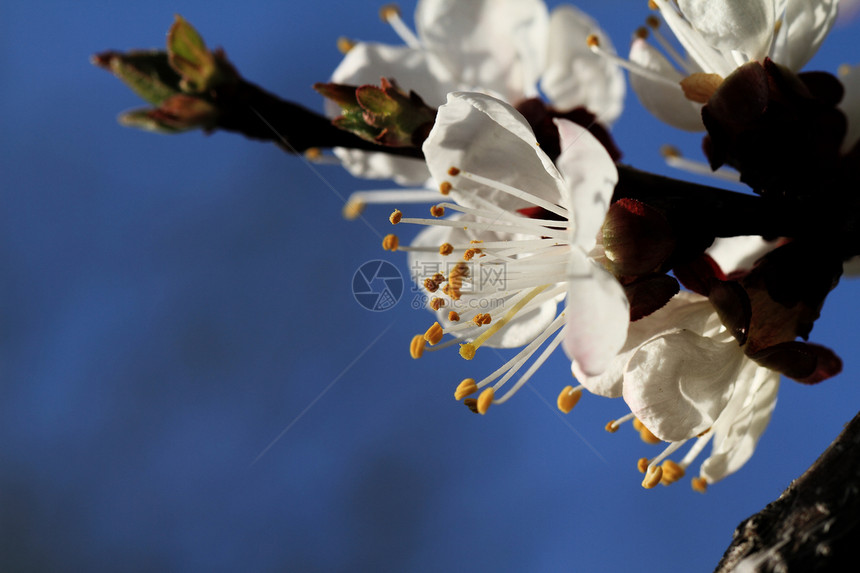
[
  {"x": 739, "y": 254},
  {"x": 745, "y": 418},
  {"x": 376, "y": 165},
  {"x": 678, "y": 384},
  {"x": 484, "y": 135},
  {"x": 574, "y": 76},
  {"x": 666, "y": 102},
  {"x": 597, "y": 315},
  {"x": 733, "y": 25},
  {"x": 499, "y": 45},
  {"x": 685, "y": 310},
  {"x": 589, "y": 177},
  {"x": 804, "y": 28}
]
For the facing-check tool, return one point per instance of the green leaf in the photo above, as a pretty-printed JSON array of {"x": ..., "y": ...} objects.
[
  {"x": 176, "y": 114},
  {"x": 189, "y": 56},
  {"x": 147, "y": 73},
  {"x": 376, "y": 101},
  {"x": 341, "y": 94},
  {"x": 147, "y": 120}
]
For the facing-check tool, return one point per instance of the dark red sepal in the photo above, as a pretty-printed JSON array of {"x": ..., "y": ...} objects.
[
  {"x": 732, "y": 304},
  {"x": 540, "y": 117},
  {"x": 698, "y": 274},
  {"x": 650, "y": 294},
  {"x": 802, "y": 361}
]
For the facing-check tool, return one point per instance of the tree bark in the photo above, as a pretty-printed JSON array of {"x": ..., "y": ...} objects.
[{"x": 815, "y": 523}]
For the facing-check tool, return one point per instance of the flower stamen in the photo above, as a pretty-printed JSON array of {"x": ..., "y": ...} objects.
[
  {"x": 630, "y": 66},
  {"x": 613, "y": 425},
  {"x": 512, "y": 191},
  {"x": 390, "y": 13},
  {"x": 357, "y": 202},
  {"x": 467, "y": 350},
  {"x": 674, "y": 158}
]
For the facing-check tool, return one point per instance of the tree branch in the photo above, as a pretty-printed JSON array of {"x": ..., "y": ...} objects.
[{"x": 815, "y": 523}]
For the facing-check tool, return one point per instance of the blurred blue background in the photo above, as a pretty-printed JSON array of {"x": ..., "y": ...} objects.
[{"x": 170, "y": 305}]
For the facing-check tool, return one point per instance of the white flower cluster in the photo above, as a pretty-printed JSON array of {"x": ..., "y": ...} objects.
[{"x": 682, "y": 374}]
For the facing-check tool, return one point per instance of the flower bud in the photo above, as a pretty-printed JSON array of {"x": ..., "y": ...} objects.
[{"x": 637, "y": 238}]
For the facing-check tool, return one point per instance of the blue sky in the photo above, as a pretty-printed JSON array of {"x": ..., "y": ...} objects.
[{"x": 169, "y": 306}]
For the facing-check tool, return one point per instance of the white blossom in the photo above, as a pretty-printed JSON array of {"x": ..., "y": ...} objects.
[
  {"x": 483, "y": 154},
  {"x": 718, "y": 36},
  {"x": 503, "y": 48},
  {"x": 684, "y": 376}
]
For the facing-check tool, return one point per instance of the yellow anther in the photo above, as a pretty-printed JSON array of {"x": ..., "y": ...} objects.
[
  {"x": 653, "y": 5},
  {"x": 466, "y": 388},
  {"x": 672, "y": 472},
  {"x": 445, "y": 188},
  {"x": 644, "y": 433},
  {"x": 652, "y": 21},
  {"x": 568, "y": 398},
  {"x": 390, "y": 242},
  {"x": 472, "y": 404},
  {"x": 467, "y": 350},
  {"x": 843, "y": 70},
  {"x": 446, "y": 249},
  {"x": 703, "y": 433},
  {"x": 434, "y": 334},
  {"x": 389, "y": 11},
  {"x": 431, "y": 286},
  {"x": 475, "y": 241},
  {"x": 453, "y": 316},
  {"x": 652, "y": 477},
  {"x": 699, "y": 484},
  {"x": 453, "y": 286},
  {"x": 436, "y": 303},
  {"x": 395, "y": 217},
  {"x": 484, "y": 400},
  {"x": 416, "y": 347},
  {"x": 482, "y": 319},
  {"x": 313, "y": 153},
  {"x": 641, "y": 33},
  {"x": 646, "y": 436},
  {"x": 611, "y": 427},
  {"x": 344, "y": 45},
  {"x": 453, "y": 171},
  {"x": 459, "y": 270},
  {"x": 437, "y": 211},
  {"x": 777, "y": 26},
  {"x": 669, "y": 151},
  {"x": 470, "y": 254},
  {"x": 353, "y": 210},
  {"x": 700, "y": 87},
  {"x": 593, "y": 41},
  {"x": 642, "y": 465}
]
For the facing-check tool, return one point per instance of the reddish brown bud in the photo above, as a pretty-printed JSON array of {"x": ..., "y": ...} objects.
[{"x": 637, "y": 238}]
